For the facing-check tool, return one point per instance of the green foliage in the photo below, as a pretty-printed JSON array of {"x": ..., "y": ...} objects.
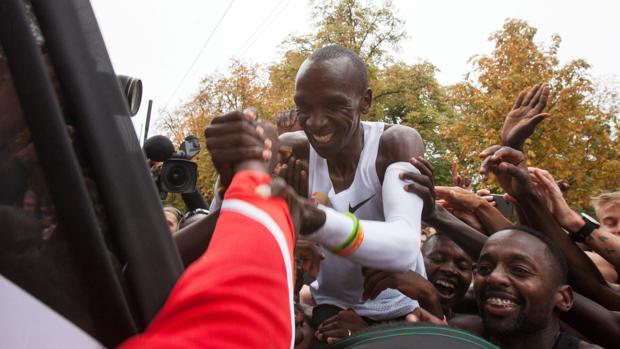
[
  {"x": 574, "y": 144},
  {"x": 578, "y": 143}
]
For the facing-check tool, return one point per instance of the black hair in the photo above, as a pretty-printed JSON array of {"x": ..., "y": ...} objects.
[
  {"x": 553, "y": 249},
  {"x": 337, "y": 51}
]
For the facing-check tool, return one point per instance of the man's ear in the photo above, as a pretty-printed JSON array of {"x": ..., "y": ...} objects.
[
  {"x": 366, "y": 102},
  {"x": 564, "y": 298}
]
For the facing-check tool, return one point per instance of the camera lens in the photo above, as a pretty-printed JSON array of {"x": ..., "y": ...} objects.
[{"x": 177, "y": 176}]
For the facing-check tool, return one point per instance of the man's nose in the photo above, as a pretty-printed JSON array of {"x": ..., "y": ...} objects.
[
  {"x": 498, "y": 277},
  {"x": 316, "y": 121}
]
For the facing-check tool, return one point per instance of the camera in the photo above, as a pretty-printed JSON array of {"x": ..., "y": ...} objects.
[{"x": 179, "y": 174}]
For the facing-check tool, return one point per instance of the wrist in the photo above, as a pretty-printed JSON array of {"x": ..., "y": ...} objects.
[{"x": 572, "y": 222}]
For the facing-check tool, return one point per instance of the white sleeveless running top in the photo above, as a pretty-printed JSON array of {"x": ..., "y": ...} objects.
[{"x": 340, "y": 281}]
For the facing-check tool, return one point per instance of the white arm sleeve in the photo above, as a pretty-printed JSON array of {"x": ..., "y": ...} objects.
[{"x": 392, "y": 245}]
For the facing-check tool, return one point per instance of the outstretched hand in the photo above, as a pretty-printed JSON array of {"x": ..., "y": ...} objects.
[
  {"x": 306, "y": 217},
  {"x": 342, "y": 325},
  {"x": 232, "y": 139},
  {"x": 459, "y": 180},
  {"x": 423, "y": 184},
  {"x": 510, "y": 169},
  {"x": 526, "y": 113},
  {"x": 294, "y": 171}
]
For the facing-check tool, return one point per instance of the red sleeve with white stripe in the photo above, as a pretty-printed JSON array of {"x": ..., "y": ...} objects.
[{"x": 239, "y": 294}]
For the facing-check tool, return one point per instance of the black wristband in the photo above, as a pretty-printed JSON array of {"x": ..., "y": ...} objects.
[{"x": 582, "y": 234}]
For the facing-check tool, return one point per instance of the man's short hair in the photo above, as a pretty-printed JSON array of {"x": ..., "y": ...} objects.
[
  {"x": 553, "y": 249},
  {"x": 606, "y": 200},
  {"x": 337, "y": 51}
]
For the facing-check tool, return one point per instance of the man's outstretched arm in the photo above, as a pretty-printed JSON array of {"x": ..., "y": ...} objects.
[{"x": 239, "y": 293}]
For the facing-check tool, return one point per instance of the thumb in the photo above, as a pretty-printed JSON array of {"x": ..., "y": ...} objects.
[
  {"x": 411, "y": 317},
  {"x": 536, "y": 119}
]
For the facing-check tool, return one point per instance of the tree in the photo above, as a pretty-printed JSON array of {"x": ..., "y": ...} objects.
[
  {"x": 407, "y": 94},
  {"x": 241, "y": 86},
  {"x": 576, "y": 143}
]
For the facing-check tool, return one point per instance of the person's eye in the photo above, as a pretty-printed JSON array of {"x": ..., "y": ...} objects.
[
  {"x": 483, "y": 269},
  {"x": 464, "y": 266},
  {"x": 520, "y": 271},
  {"x": 436, "y": 258}
]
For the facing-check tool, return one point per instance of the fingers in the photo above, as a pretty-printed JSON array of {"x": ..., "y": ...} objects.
[
  {"x": 489, "y": 151},
  {"x": 234, "y": 155},
  {"x": 417, "y": 178},
  {"x": 541, "y": 101},
  {"x": 423, "y": 166},
  {"x": 421, "y": 315},
  {"x": 519, "y": 100},
  {"x": 530, "y": 95},
  {"x": 374, "y": 284}
]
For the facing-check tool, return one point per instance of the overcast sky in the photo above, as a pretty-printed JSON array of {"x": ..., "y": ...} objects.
[{"x": 158, "y": 40}]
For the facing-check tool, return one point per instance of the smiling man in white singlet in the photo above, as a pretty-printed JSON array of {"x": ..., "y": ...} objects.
[{"x": 354, "y": 169}]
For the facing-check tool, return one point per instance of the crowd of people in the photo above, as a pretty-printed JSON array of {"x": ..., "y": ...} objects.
[
  {"x": 376, "y": 242},
  {"x": 328, "y": 226}
]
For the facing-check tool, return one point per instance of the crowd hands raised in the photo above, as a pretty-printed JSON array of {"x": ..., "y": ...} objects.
[
  {"x": 537, "y": 274},
  {"x": 512, "y": 269}
]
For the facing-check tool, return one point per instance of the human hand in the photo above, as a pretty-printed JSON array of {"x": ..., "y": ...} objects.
[
  {"x": 342, "y": 325},
  {"x": 294, "y": 171},
  {"x": 459, "y": 180},
  {"x": 409, "y": 283},
  {"x": 306, "y": 217},
  {"x": 231, "y": 139},
  {"x": 526, "y": 113},
  {"x": 461, "y": 203},
  {"x": 423, "y": 184},
  {"x": 510, "y": 169},
  {"x": 549, "y": 190},
  {"x": 485, "y": 194},
  {"x": 309, "y": 256},
  {"x": 421, "y": 315}
]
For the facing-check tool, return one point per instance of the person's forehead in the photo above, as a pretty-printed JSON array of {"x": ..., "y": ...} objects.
[
  {"x": 611, "y": 210},
  {"x": 446, "y": 245},
  {"x": 335, "y": 74},
  {"x": 515, "y": 243}
]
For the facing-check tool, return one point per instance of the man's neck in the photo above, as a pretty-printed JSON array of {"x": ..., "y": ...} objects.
[
  {"x": 543, "y": 339},
  {"x": 343, "y": 166}
]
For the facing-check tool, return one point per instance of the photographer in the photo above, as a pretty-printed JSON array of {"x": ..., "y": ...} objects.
[{"x": 174, "y": 172}]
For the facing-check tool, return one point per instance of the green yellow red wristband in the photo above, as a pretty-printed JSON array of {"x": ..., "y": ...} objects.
[{"x": 350, "y": 240}]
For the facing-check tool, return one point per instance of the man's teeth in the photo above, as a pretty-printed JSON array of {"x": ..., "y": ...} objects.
[
  {"x": 444, "y": 284},
  {"x": 501, "y": 302},
  {"x": 324, "y": 139}
]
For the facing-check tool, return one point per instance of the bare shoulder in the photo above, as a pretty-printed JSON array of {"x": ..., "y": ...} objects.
[
  {"x": 295, "y": 143},
  {"x": 399, "y": 143},
  {"x": 586, "y": 345}
]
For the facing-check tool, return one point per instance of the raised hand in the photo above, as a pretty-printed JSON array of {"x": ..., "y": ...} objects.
[
  {"x": 459, "y": 180},
  {"x": 462, "y": 203},
  {"x": 231, "y": 139},
  {"x": 294, "y": 171},
  {"x": 423, "y": 184},
  {"x": 549, "y": 190},
  {"x": 526, "y": 113},
  {"x": 344, "y": 324},
  {"x": 510, "y": 169}
]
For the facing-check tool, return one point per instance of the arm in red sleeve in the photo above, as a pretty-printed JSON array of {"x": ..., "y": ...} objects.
[{"x": 240, "y": 293}]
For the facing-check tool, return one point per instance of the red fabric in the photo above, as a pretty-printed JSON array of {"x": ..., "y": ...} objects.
[{"x": 236, "y": 295}]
